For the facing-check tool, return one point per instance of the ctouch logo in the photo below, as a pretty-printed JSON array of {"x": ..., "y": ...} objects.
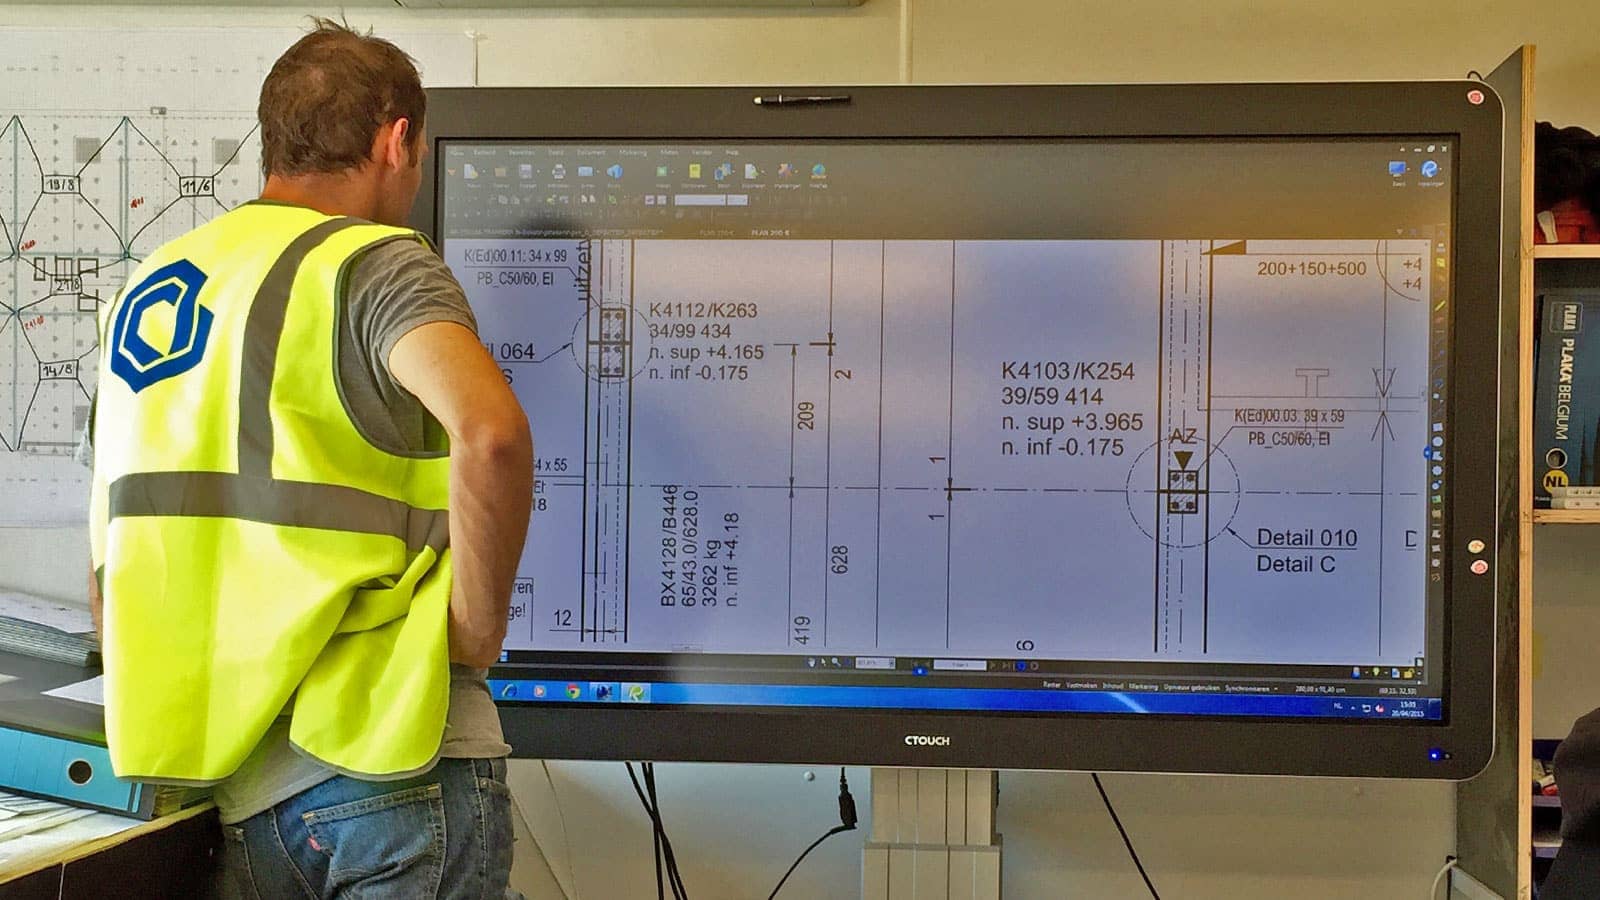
[{"x": 927, "y": 740}]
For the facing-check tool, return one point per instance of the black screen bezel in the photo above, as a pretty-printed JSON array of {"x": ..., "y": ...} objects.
[{"x": 1464, "y": 740}]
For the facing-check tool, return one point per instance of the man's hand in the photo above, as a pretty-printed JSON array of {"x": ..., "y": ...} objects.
[{"x": 491, "y": 476}]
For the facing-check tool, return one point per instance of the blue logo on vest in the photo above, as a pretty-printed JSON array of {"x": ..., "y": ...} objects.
[{"x": 132, "y": 358}]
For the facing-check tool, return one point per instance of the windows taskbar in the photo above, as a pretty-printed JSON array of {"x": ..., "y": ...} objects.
[{"x": 963, "y": 699}]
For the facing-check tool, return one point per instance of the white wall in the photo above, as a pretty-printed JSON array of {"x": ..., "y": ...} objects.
[
  {"x": 1566, "y": 669},
  {"x": 1260, "y": 40},
  {"x": 737, "y": 827}
]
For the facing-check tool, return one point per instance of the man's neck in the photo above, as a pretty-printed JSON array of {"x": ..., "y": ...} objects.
[{"x": 333, "y": 195}]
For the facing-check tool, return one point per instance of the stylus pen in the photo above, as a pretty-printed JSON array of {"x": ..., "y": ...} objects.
[{"x": 784, "y": 99}]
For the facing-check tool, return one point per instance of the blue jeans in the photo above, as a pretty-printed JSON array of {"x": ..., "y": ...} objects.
[{"x": 444, "y": 834}]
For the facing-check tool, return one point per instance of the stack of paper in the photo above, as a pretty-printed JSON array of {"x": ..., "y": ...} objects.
[
  {"x": 33, "y": 832},
  {"x": 71, "y": 619},
  {"x": 24, "y": 815},
  {"x": 47, "y": 630}
]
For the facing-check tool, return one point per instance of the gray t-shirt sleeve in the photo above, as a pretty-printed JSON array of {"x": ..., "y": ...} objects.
[
  {"x": 390, "y": 290},
  {"x": 397, "y": 286}
]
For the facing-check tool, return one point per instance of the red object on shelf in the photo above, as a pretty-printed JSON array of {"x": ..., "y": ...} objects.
[
  {"x": 1545, "y": 783},
  {"x": 1567, "y": 222}
]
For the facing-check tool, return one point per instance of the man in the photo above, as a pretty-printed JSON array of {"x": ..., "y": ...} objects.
[
  {"x": 1575, "y": 874},
  {"x": 312, "y": 488}
]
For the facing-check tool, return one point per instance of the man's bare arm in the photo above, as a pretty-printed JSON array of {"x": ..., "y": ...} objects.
[
  {"x": 491, "y": 476},
  {"x": 96, "y": 606}
]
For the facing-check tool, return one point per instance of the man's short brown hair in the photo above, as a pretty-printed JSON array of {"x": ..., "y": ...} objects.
[{"x": 326, "y": 97}]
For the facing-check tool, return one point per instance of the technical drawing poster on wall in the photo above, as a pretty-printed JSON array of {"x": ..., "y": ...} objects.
[{"x": 112, "y": 143}]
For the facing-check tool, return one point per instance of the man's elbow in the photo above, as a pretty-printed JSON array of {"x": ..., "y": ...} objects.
[
  {"x": 503, "y": 439},
  {"x": 477, "y": 651}
]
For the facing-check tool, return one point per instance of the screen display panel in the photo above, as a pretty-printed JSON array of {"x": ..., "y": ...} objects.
[{"x": 1014, "y": 427}]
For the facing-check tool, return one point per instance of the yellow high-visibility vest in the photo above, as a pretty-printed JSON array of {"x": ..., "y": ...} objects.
[{"x": 254, "y": 548}]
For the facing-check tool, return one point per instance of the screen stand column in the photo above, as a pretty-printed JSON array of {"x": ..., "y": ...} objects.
[{"x": 933, "y": 836}]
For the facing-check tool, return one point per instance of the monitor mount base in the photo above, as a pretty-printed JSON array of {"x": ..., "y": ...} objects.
[{"x": 933, "y": 836}]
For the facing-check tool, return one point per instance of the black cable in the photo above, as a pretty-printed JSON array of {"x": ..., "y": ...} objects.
[
  {"x": 847, "y": 822},
  {"x": 658, "y": 833},
  {"x": 670, "y": 863},
  {"x": 1124, "y": 832},
  {"x": 666, "y": 860},
  {"x": 663, "y": 844},
  {"x": 847, "y": 803},
  {"x": 674, "y": 876},
  {"x": 660, "y": 892},
  {"x": 655, "y": 829},
  {"x": 655, "y": 835},
  {"x": 814, "y": 844}
]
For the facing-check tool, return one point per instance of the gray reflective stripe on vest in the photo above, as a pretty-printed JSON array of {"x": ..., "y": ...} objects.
[
  {"x": 273, "y": 502},
  {"x": 263, "y": 332},
  {"x": 253, "y": 494}
]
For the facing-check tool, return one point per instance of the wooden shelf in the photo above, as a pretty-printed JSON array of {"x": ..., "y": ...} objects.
[
  {"x": 1566, "y": 517},
  {"x": 1546, "y": 842},
  {"x": 1566, "y": 251}
]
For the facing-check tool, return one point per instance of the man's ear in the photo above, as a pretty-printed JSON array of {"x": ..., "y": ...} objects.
[{"x": 395, "y": 144}]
